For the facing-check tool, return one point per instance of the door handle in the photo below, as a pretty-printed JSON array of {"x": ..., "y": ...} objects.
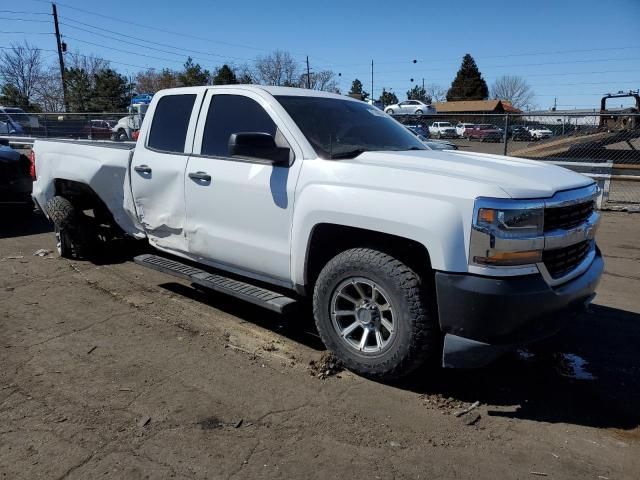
[
  {"x": 200, "y": 176},
  {"x": 142, "y": 169}
]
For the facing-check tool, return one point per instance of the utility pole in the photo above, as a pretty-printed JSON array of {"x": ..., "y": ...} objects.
[
  {"x": 371, "y": 79},
  {"x": 60, "y": 58},
  {"x": 308, "y": 74},
  {"x": 423, "y": 84}
]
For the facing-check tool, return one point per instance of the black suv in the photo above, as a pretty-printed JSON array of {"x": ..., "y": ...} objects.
[
  {"x": 15, "y": 178},
  {"x": 520, "y": 133}
]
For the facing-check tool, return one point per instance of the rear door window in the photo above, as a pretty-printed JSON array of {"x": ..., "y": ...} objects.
[
  {"x": 170, "y": 123},
  {"x": 230, "y": 114}
]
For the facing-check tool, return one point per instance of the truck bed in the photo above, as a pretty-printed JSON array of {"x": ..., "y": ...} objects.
[{"x": 103, "y": 166}]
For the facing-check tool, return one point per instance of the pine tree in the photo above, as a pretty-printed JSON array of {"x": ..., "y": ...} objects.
[
  {"x": 468, "y": 84},
  {"x": 388, "y": 98},
  {"x": 357, "y": 89},
  {"x": 79, "y": 89},
  {"x": 224, "y": 76},
  {"x": 193, "y": 75},
  {"x": 419, "y": 93},
  {"x": 110, "y": 92}
]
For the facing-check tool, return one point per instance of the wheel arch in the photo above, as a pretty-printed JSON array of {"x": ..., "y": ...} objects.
[{"x": 326, "y": 240}]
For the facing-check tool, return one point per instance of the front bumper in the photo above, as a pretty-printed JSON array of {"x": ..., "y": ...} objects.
[{"x": 483, "y": 317}]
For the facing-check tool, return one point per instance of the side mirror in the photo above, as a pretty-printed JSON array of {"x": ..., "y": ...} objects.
[{"x": 257, "y": 145}]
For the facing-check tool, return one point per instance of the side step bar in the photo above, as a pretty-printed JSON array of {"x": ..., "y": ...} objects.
[{"x": 260, "y": 296}]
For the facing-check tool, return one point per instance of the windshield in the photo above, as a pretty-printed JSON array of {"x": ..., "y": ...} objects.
[
  {"x": 344, "y": 129},
  {"x": 13, "y": 110},
  {"x": 443, "y": 124}
]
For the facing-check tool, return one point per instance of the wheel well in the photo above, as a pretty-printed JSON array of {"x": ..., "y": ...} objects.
[
  {"x": 85, "y": 198},
  {"x": 328, "y": 240}
]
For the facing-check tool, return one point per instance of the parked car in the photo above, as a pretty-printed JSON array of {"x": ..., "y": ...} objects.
[
  {"x": 461, "y": 128},
  {"x": 442, "y": 130},
  {"x": 519, "y": 133},
  {"x": 433, "y": 144},
  {"x": 408, "y": 255},
  {"x": 9, "y": 126},
  {"x": 485, "y": 132},
  {"x": 419, "y": 130},
  {"x": 540, "y": 132},
  {"x": 98, "y": 129},
  {"x": 20, "y": 120},
  {"x": 410, "y": 107},
  {"x": 15, "y": 178},
  {"x": 440, "y": 145}
]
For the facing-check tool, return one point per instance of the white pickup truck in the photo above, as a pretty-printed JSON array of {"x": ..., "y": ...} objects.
[
  {"x": 442, "y": 130},
  {"x": 273, "y": 194}
]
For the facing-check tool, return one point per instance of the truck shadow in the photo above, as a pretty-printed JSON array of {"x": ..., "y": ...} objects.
[
  {"x": 589, "y": 374},
  {"x": 22, "y": 221},
  {"x": 546, "y": 383}
]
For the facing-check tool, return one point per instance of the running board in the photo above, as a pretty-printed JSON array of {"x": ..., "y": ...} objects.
[{"x": 245, "y": 291}]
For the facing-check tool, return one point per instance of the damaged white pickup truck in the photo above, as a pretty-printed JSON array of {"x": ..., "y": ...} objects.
[{"x": 272, "y": 194}]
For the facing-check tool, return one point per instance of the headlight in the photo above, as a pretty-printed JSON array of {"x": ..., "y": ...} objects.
[{"x": 506, "y": 233}]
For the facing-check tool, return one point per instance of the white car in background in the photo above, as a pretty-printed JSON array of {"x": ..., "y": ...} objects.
[
  {"x": 410, "y": 107},
  {"x": 540, "y": 132},
  {"x": 461, "y": 127},
  {"x": 442, "y": 130}
]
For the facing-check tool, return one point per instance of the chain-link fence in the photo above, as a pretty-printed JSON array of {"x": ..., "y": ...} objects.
[
  {"x": 96, "y": 126},
  {"x": 605, "y": 146}
]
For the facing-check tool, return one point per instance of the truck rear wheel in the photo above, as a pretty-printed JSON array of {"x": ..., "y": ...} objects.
[
  {"x": 73, "y": 232},
  {"x": 371, "y": 311}
]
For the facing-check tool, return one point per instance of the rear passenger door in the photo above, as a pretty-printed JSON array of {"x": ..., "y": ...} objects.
[
  {"x": 239, "y": 210},
  {"x": 158, "y": 168}
]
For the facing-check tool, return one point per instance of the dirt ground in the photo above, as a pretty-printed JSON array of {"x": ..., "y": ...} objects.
[{"x": 115, "y": 371}]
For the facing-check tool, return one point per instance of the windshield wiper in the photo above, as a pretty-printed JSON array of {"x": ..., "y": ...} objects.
[{"x": 348, "y": 154}]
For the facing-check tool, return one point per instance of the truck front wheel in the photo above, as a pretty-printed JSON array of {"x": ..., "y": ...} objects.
[{"x": 371, "y": 310}]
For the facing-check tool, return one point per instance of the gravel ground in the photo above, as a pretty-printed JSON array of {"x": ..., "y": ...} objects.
[{"x": 114, "y": 371}]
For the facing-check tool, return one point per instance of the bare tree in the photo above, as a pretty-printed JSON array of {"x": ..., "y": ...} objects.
[
  {"x": 89, "y": 63},
  {"x": 324, "y": 80},
  {"x": 48, "y": 91},
  {"x": 277, "y": 68},
  {"x": 21, "y": 69},
  {"x": 515, "y": 90},
  {"x": 151, "y": 81},
  {"x": 436, "y": 92}
]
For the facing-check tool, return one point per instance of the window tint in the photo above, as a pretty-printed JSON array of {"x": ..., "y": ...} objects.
[
  {"x": 170, "y": 123},
  {"x": 230, "y": 114}
]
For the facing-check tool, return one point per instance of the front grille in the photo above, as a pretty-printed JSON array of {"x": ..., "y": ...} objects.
[
  {"x": 561, "y": 261},
  {"x": 567, "y": 217}
]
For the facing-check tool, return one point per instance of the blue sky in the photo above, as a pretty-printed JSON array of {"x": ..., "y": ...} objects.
[{"x": 572, "y": 50}]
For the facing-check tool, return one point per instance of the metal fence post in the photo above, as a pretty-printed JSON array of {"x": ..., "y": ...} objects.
[{"x": 506, "y": 133}]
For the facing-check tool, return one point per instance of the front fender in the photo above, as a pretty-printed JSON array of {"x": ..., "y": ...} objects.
[{"x": 436, "y": 223}]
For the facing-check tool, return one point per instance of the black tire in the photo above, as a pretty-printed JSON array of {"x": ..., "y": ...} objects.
[
  {"x": 418, "y": 112},
  {"x": 389, "y": 112},
  {"x": 417, "y": 338},
  {"x": 122, "y": 136},
  {"x": 73, "y": 232}
]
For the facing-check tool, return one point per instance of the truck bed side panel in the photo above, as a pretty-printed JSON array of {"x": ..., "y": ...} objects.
[{"x": 102, "y": 166}]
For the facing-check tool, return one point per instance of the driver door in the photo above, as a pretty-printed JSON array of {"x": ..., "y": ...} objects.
[{"x": 239, "y": 210}]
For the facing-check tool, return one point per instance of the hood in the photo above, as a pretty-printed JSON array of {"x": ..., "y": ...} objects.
[{"x": 517, "y": 177}]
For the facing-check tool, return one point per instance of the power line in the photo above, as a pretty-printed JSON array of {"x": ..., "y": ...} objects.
[
  {"x": 125, "y": 51},
  {"x": 27, "y": 33},
  {"x": 145, "y": 67},
  {"x": 25, "y": 20},
  {"x": 143, "y": 40},
  {"x": 163, "y": 30},
  {"x": 29, "y": 13}
]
